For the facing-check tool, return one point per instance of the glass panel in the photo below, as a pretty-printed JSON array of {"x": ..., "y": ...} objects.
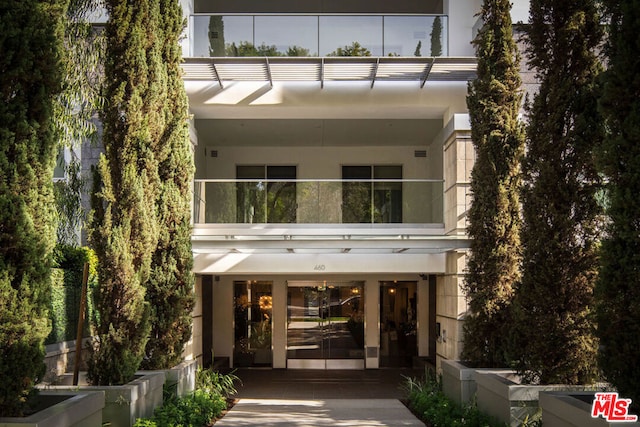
[
  {"x": 344, "y": 319},
  {"x": 398, "y": 343},
  {"x": 413, "y": 36},
  {"x": 313, "y": 35},
  {"x": 340, "y": 31},
  {"x": 251, "y": 199},
  {"x": 317, "y": 202},
  {"x": 281, "y": 203},
  {"x": 304, "y": 324},
  {"x": 253, "y": 327},
  {"x": 356, "y": 196},
  {"x": 387, "y": 196},
  {"x": 281, "y": 196},
  {"x": 251, "y": 195},
  {"x": 325, "y": 321},
  {"x": 287, "y": 35},
  {"x": 217, "y": 35}
]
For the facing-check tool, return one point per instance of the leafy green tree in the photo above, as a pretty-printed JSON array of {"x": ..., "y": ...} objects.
[
  {"x": 31, "y": 73},
  {"x": 249, "y": 49},
  {"x": 494, "y": 103},
  {"x": 170, "y": 285},
  {"x": 266, "y": 50},
  {"x": 355, "y": 49},
  {"x": 618, "y": 289},
  {"x": 297, "y": 51},
  {"x": 436, "y": 37},
  {"x": 124, "y": 229},
  {"x": 554, "y": 339}
]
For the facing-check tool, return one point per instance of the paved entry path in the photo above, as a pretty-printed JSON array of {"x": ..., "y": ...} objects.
[{"x": 301, "y": 398}]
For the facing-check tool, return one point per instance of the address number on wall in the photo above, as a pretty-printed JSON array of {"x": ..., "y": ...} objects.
[{"x": 319, "y": 267}]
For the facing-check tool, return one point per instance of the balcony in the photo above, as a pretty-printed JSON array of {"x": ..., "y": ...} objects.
[
  {"x": 319, "y": 35},
  {"x": 406, "y": 201}
]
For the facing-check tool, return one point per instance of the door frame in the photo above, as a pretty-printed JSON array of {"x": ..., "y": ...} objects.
[{"x": 325, "y": 363}]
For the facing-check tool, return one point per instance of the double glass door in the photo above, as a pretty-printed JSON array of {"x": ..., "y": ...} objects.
[{"x": 325, "y": 325}]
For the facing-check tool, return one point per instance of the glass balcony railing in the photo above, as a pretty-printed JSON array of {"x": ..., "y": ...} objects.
[
  {"x": 318, "y": 201},
  {"x": 319, "y": 35}
]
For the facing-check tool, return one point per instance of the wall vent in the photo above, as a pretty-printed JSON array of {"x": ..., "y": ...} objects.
[
  {"x": 214, "y": 153},
  {"x": 420, "y": 153}
]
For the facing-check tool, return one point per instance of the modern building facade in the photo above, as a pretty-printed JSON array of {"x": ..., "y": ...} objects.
[{"x": 331, "y": 192}]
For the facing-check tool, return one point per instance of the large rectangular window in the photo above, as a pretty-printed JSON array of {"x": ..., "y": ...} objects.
[
  {"x": 372, "y": 194},
  {"x": 266, "y": 194}
]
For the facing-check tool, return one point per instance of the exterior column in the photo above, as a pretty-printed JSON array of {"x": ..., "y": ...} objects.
[
  {"x": 372, "y": 324},
  {"x": 279, "y": 313},
  {"x": 451, "y": 307},
  {"x": 193, "y": 348}
]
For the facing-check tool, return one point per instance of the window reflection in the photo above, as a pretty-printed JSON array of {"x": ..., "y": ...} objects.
[
  {"x": 343, "y": 31},
  {"x": 312, "y": 35},
  {"x": 413, "y": 36},
  {"x": 287, "y": 35}
]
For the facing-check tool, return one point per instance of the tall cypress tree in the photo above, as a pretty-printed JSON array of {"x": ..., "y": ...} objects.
[
  {"x": 618, "y": 288},
  {"x": 494, "y": 102},
  {"x": 30, "y": 78},
  {"x": 216, "y": 36},
  {"x": 170, "y": 286},
  {"x": 436, "y": 37},
  {"x": 554, "y": 339},
  {"x": 124, "y": 230}
]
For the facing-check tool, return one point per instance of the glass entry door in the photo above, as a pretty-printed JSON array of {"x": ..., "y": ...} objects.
[{"x": 325, "y": 325}]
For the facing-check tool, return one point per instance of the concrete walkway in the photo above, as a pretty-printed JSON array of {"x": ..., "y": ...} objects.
[{"x": 294, "y": 398}]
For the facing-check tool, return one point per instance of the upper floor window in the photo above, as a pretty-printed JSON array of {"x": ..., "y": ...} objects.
[
  {"x": 372, "y": 194},
  {"x": 266, "y": 194}
]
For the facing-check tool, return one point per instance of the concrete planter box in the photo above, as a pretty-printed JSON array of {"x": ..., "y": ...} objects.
[
  {"x": 458, "y": 380},
  {"x": 63, "y": 408},
  {"x": 572, "y": 409},
  {"x": 502, "y": 396},
  {"x": 123, "y": 403},
  {"x": 181, "y": 379}
]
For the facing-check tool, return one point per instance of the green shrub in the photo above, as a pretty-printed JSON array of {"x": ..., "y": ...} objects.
[
  {"x": 199, "y": 408},
  {"x": 427, "y": 400},
  {"x": 194, "y": 410},
  {"x": 213, "y": 382}
]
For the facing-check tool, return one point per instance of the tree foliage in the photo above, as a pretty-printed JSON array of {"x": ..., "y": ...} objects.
[
  {"x": 554, "y": 339},
  {"x": 75, "y": 110},
  {"x": 170, "y": 285},
  {"x": 494, "y": 102},
  {"x": 249, "y": 49},
  {"x": 124, "y": 230},
  {"x": 436, "y": 37},
  {"x": 355, "y": 49},
  {"x": 30, "y": 78},
  {"x": 216, "y": 36},
  {"x": 618, "y": 288}
]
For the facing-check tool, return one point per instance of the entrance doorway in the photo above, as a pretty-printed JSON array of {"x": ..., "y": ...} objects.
[
  {"x": 325, "y": 325},
  {"x": 398, "y": 335},
  {"x": 252, "y": 323}
]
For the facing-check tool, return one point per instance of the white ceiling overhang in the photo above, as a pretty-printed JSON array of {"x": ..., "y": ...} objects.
[
  {"x": 261, "y": 263},
  {"x": 291, "y": 249},
  {"x": 327, "y": 69}
]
